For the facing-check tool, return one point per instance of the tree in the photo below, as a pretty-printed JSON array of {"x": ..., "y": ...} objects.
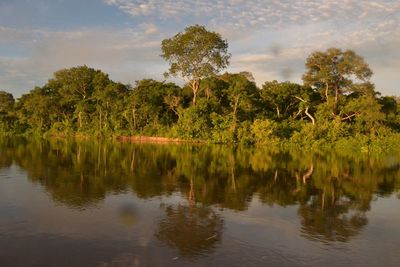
[
  {"x": 366, "y": 112},
  {"x": 39, "y": 109},
  {"x": 391, "y": 109},
  {"x": 76, "y": 87},
  {"x": 6, "y": 102},
  {"x": 110, "y": 105},
  {"x": 335, "y": 72},
  {"x": 150, "y": 103},
  {"x": 195, "y": 54},
  {"x": 241, "y": 93},
  {"x": 6, "y": 111},
  {"x": 389, "y": 105},
  {"x": 288, "y": 99}
]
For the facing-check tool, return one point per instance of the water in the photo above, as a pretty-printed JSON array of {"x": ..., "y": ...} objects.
[{"x": 111, "y": 204}]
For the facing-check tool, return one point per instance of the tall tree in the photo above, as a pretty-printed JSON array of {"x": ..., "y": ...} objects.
[
  {"x": 241, "y": 93},
  {"x": 76, "y": 87},
  {"x": 150, "y": 103},
  {"x": 195, "y": 54},
  {"x": 38, "y": 109},
  {"x": 110, "y": 105},
  {"x": 335, "y": 72}
]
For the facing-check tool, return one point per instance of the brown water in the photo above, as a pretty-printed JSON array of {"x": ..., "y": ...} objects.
[{"x": 90, "y": 204}]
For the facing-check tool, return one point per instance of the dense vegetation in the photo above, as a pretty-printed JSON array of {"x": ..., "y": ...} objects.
[{"x": 336, "y": 106}]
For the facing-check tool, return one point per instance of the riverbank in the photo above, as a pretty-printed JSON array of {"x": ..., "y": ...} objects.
[{"x": 155, "y": 139}]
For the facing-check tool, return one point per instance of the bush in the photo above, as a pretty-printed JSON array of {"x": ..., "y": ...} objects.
[
  {"x": 223, "y": 129},
  {"x": 264, "y": 131}
]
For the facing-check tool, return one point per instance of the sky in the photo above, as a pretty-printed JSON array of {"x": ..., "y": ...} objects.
[{"x": 269, "y": 38}]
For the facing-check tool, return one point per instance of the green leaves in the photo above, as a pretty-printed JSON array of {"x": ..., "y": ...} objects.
[
  {"x": 337, "y": 100},
  {"x": 335, "y": 72},
  {"x": 195, "y": 54}
]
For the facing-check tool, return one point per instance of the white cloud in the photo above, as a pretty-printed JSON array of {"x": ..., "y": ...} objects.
[
  {"x": 259, "y": 13},
  {"x": 253, "y": 58},
  {"x": 149, "y": 28},
  {"x": 269, "y": 38},
  {"x": 128, "y": 55}
]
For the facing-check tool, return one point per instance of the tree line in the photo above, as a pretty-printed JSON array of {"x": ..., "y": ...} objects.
[{"x": 336, "y": 101}]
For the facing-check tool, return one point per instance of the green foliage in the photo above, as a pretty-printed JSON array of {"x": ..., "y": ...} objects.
[
  {"x": 367, "y": 113},
  {"x": 287, "y": 99},
  {"x": 223, "y": 128},
  {"x": 244, "y": 134},
  {"x": 264, "y": 131},
  {"x": 152, "y": 105},
  {"x": 195, "y": 122},
  {"x": 336, "y": 103},
  {"x": 242, "y": 95},
  {"x": 333, "y": 72},
  {"x": 7, "y": 117},
  {"x": 6, "y": 102},
  {"x": 195, "y": 54}
]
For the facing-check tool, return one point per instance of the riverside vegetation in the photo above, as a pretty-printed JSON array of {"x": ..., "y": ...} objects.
[{"x": 336, "y": 106}]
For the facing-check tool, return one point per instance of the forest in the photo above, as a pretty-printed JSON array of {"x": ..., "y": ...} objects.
[{"x": 336, "y": 106}]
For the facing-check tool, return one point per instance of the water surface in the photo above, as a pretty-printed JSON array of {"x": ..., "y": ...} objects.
[{"x": 111, "y": 204}]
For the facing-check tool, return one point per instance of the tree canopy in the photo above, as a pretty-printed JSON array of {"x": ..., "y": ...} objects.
[
  {"x": 195, "y": 54},
  {"x": 335, "y": 72},
  {"x": 336, "y": 104}
]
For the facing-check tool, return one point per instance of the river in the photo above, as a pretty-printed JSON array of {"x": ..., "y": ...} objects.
[{"x": 69, "y": 203}]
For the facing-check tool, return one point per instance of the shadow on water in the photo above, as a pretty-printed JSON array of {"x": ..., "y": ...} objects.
[
  {"x": 192, "y": 229},
  {"x": 331, "y": 192}
]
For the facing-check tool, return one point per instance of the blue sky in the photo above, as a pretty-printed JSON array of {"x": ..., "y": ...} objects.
[{"x": 269, "y": 38}]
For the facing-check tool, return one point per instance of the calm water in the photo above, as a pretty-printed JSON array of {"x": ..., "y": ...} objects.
[{"x": 91, "y": 204}]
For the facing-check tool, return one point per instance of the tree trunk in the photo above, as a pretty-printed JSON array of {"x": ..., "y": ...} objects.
[
  {"x": 336, "y": 99},
  {"x": 309, "y": 115},
  {"x": 308, "y": 174},
  {"x": 80, "y": 119},
  {"x": 134, "y": 118},
  {"x": 195, "y": 88},
  {"x": 208, "y": 93},
  {"x": 106, "y": 120},
  {"x": 100, "y": 126},
  {"x": 326, "y": 91},
  {"x": 237, "y": 98},
  {"x": 277, "y": 111}
]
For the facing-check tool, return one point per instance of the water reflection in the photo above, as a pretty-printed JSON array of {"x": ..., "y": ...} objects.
[
  {"x": 192, "y": 229},
  {"x": 332, "y": 193},
  {"x": 127, "y": 214}
]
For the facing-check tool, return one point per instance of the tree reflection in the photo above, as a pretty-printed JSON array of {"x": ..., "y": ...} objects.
[
  {"x": 192, "y": 229},
  {"x": 127, "y": 214},
  {"x": 332, "y": 223},
  {"x": 333, "y": 192}
]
